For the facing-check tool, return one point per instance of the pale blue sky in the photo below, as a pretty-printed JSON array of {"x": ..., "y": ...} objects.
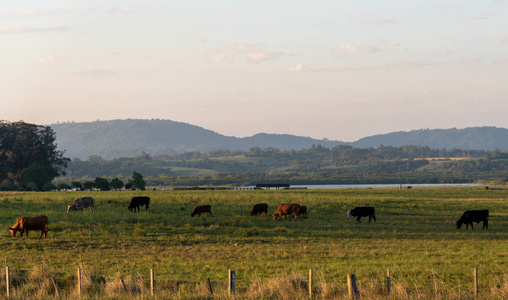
[{"x": 336, "y": 69}]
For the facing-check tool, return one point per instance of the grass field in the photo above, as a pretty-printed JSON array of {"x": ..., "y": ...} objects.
[{"x": 415, "y": 236}]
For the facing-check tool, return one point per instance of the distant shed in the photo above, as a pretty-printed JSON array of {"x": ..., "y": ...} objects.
[{"x": 272, "y": 185}]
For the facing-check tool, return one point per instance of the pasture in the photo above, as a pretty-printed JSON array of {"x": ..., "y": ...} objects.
[{"x": 415, "y": 236}]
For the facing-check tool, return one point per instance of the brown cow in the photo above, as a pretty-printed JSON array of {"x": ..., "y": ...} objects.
[
  {"x": 30, "y": 223},
  {"x": 259, "y": 209},
  {"x": 284, "y": 209},
  {"x": 198, "y": 210},
  {"x": 303, "y": 210}
]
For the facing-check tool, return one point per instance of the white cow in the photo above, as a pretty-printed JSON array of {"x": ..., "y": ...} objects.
[{"x": 81, "y": 203}]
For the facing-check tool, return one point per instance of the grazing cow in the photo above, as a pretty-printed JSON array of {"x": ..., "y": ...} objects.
[
  {"x": 81, "y": 203},
  {"x": 359, "y": 212},
  {"x": 303, "y": 210},
  {"x": 136, "y": 202},
  {"x": 259, "y": 209},
  {"x": 198, "y": 210},
  {"x": 470, "y": 216},
  {"x": 285, "y": 209},
  {"x": 30, "y": 223}
]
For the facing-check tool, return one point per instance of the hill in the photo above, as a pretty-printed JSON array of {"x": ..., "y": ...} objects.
[
  {"x": 127, "y": 138},
  {"x": 473, "y": 138}
]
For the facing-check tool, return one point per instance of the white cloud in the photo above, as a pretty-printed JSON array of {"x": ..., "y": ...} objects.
[
  {"x": 251, "y": 53},
  {"x": 92, "y": 73},
  {"x": 499, "y": 40},
  {"x": 197, "y": 39},
  {"x": 43, "y": 28},
  {"x": 259, "y": 56},
  {"x": 358, "y": 49},
  {"x": 296, "y": 69},
  {"x": 53, "y": 58}
]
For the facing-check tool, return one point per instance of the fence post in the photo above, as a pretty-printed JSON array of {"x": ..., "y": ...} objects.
[
  {"x": 232, "y": 280},
  {"x": 310, "y": 283},
  {"x": 354, "y": 293},
  {"x": 7, "y": 282},
  {"x": 152, "y": 282},
  {"x": 388, "y": 282},
  {"x": 209, "y": 286},
  {"x": 79, "y": 282},
  {"x": 475, "y": 275}
]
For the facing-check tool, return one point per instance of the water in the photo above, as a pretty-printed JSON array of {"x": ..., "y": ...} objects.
[{"x": 394, "y": 185}]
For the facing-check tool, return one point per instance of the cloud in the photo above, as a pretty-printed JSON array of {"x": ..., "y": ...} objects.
[
  {"x": 259, "y": 56},
  {"x": 25, "y": 29},
  {"x": 499, "y": 40},
  {"x": 379, "y": 23},
  {"x": 197, "y": 39},
  {"x": 296, "y": 69},
  {"x": 251, "y": 53},
  {"x": 357, "y": 49},
  {"x": 92, "y": 73},
  {"x": 53, "y": 58}
]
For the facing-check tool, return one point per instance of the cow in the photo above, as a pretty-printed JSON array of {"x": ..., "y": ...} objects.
[
  {"x": 259, "y": 209},
  {"x": 136, "y": 202},
  {"x": 470, "y": 216},
  {"x": 303, "y": 210},
  {"x": 81, "y": 203},
  {"x": 30, "y": 223},
  {"x": 285, "y": 209},
  {"x": 365, "y": 211},
  {"x": 198, "y": 210}
]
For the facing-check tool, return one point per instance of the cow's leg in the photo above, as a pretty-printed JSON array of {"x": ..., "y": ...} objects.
[
  {"x": 42, "y": 232},
  {"x": 26, "y": 232},
  {"x": 370, "y": 218},
  {"x": 358, "y": 218},
  {"x": 210, "y": 212},
  {"x": 472, "y": 225}
]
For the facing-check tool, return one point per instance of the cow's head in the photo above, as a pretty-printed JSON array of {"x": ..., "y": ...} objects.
[
  {"x": 348, "y": 213},
  {"x": 275, "y": 216},
  {"x": 13, "y": 231},
  {"x": 459, "y": 224},
  {"x": 129, "y": 208}
]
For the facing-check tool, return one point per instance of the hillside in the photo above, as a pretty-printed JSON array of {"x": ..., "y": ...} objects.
[
  {"x": 127, "y": 138},
  {"x": 474, "y": 138}
]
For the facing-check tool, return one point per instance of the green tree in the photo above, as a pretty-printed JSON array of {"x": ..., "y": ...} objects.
[
  {"x": 116, "y": 183},
  {"x": 102, "y": 184},
  {"x": 88, "y": 185},
  {"x": 77, "y": 185},
  {"x": 22, "y": 145},
  {"x": 35, "y": 177},
  {"x": 137, "y": 181}
]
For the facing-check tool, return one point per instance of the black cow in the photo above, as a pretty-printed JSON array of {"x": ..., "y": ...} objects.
[
  {"x": 259, "y": 209},
  {"x": 359, "y": 212},
  {"x": 470, "y": 216},
  {"x": 136, "y": 202}
]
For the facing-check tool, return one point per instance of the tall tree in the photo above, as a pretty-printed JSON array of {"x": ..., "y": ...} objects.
[
  {"x": 22, "y": 145},
  {"x": 137, "y": 181}
]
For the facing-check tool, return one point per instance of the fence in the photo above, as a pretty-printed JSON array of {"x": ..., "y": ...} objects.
[{"x": 352, "y": 287}]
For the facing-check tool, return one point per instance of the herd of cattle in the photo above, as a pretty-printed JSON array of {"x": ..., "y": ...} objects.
[{"x": 24, "y": 224}]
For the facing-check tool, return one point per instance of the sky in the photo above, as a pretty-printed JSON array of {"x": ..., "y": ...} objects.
[{"x": 340, "y": 70}]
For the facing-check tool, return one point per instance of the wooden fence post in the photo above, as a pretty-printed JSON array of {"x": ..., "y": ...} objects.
[
  {"x": 310, "y": 283},
  {"x": 152, "y": 282},
  {"x": 475, "y": 275},
  {"x": 209, "y": 286},
  {"x": 7, "y": 282},
  {"x": 388, "y": 282},
  {"x": 79, "y": 282},
  {"x": 232, "y": 281},
  {"x": 354, "y": 293}
]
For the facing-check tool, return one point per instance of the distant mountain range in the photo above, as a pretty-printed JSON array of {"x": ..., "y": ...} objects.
[{"x": 120, "y": 138}]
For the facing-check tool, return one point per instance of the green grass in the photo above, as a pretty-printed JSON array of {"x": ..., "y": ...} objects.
[{"x": 415, "y": 236}]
